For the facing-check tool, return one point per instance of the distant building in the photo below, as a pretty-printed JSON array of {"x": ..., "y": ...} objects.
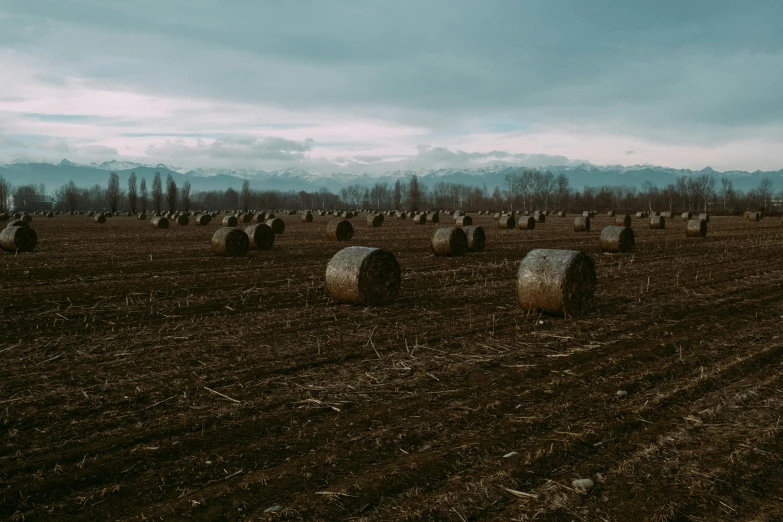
[{"x": 33, "y": 203}]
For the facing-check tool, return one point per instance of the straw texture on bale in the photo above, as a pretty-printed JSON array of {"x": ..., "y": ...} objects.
[
  {"x": 696, "y": 228},
  {"x": 230, "y": 242},
  {"x": 464, "y": 221},
  {"x": 160, "y": 222},
  {"x": 374, "y": 220},
  {"x": 18, "y": 239},
  {"x": 362, "y": 275},
  {"x": 754, "y": 216},
  {"x": 182, "y": 220},
  {"x": 610, "y": 213},
  {"x": 540, "y": 217},
  {"x": 202, "y": 220},
  {"x": 705, "y": 216},
  {"x": 339, "y": 230},
  {"x": 100, "y": 218},
  {"x": 259, "y": 217},
  {"x": 477, "y": 238},
  {"x": 657, "y": 222},
  {"x": 526, "y": 223},
  {"x": 556, "y": 282},
  {"x": 16, "y": 223},
  {"x": 449, "y": 241},
  {"x": 582, "y": 224},
  {"x": 687, "y": 215},
  {"x": 623, "y": 220},
  {"x": 506, "y": 222},
  {"x": 617, "y": 239},
  {"x": 261, "y": 236},
  {"x": 142, "y": 216},
  {"x": 269, "y": 216},
  {"x": 348, "y": 215},
  {"x": 419, "y": 219},
  {"x": 401, "y": 215},
  {"x": 230, "y": 221},
  {"x": 307, "y": 218},
  {"x": 277, "y": 224},
  {"x": 433, "y": 217}
]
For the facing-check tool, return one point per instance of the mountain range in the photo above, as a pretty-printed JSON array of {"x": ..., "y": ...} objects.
[{"x": 54, "y": 175}]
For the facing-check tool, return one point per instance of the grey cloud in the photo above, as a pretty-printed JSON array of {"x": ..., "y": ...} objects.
[{"x": 235, "y": 148}]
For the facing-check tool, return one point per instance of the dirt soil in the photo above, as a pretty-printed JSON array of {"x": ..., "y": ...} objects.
[{"x": 142, "y": 377}]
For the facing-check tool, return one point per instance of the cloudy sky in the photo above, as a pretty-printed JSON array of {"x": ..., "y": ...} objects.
[{"x": 368, "y": 86}]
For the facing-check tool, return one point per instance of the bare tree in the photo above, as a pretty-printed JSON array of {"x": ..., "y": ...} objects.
[
  {"x": 5, "y": 194},
  {"x": 397, "y": 195},
  {"x": 113, "y": 192},
  {"x": 133, "y": 196},
  {"x": 245, "y": 195},
  {"x": 157, "y": 192},
  {"x": 414, "y": 194},
  {"x": 171, "y": 193},
  {"x": 765, "y": 190},
  {"x": 184, "y": 195},
  {"x": 143, "y": 196},
  {"x": 67, "y": 196}
]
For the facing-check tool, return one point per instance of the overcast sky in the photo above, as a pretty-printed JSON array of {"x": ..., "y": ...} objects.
[{"x": 368, "y": 86}]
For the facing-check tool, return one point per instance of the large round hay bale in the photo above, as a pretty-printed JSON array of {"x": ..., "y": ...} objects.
[
  {"x": 477, "y": 238},
  {"x": 657, "y": 222},
  {"x": 611, "y": 213},
  {"x": 307, "y": 217},
  {"x": 277, "y": 224},
  {"x": 705, "y": 216},
  {"x": 16, "y": 223},
  {"x": 433, "y": 217},
  {"x": 269, "y": 216},
  {"x": 464, "y": 221},
  {"x": 696, "y": 228},
  {"x": 4, "y": 217},
  {"x": 641, "y": 215},
  {"x": 261, "y": 236},
  {"x": 182, "y": 219},
  {"x": 506, "y": 222},
  {"x": 540, "y": 217},
  {"x": 668, "y": 214},
  {"x": 401, "y": 215},
  {"x": 374, "y": 220},
  {"x": 230, "y": 242},
  {"x": 100, "y": 218},
  {"x": 259, "y": 217},
  {"x": 526, "y": 223},
  {"x": 245, "y": 218},
  {"x": 18, "y": 239},
  {"x": 458, "y": 213},
  {"x": 617, "y": 239},
  {"x": 161, "y": 222},
  {"x": 50, "y": 214},
  {"x": 230, "y": 221},
  {"x": 582, "y": 224},
  {"x": 754, "y": 216},
  {"x": 142, "y": 216},
  {"x": 449, "y": 241},
  {"x": 17, "y": 215},
  {"x": 556, "y": 282},
  {"x": 623, "y": 220},
  {"x": 362, "y": 275},
  {"x": 348, "y": 215},
  {"x": 292, "y": 212},
  {"x": 497, "y": 215},
  {"x": 27, "y": 218},
  {"x": 202, "y": 220},
  {"x": 420, "y": 219},
  {"x": 339, "y": 230},
  {"x": 687, "y": 215}
]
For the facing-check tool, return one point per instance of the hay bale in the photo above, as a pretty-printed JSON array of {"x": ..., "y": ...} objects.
[
  {"x": 16, "y": 223},
  {"x": 339, "y": 230},
  {"x": 617, "y": 239},
  {"x": 374, "y": 220},
  {"x": 27, "y": 218},
  {"x": 449, "y": 241},
  {"x": 229, "y": 221},
  {"x": 458, "y": 213},
  {"x": 277, "y": 224},
  {"x": 582, "y": 224},
  {"x": 261, "y": 236},
  {"x": 464, "y": 221},
  {"x": 506, "y": 222},
  {"x": 401, "y": 215},
  {"x": 307, "y": 218},
  {"x": 556, "y": 282},
  {"x": 292, "y": 212},
  {"x": 50, "y": 214},
  {"x": 230, "y": 242},
  {"x": 142, "y": 216},
  {"x": 100, "y": 218},
  {"x": 667, "y": 214},
  {"x": 586, "y": 213},
  {"x": 182, "y": 220},
  {"x": 562, "y": 213},
  {"x": 657, "y": 222},
  {"x": 686, "y": 216},
  {"x": 18, "y": 239},
  {"x": 161, "y": 222},
  {"x": 348, "y": 215},
  {"x": 245, "y": 218},
  {"x": 640, "y": 215},
  {"x": 362, "y": 275},
  {"x": 526, "y": 223},
  {"x": 433, "y": 217},
  {"x": 696, "y": 228},
  {"x": 17, "y": 215},
  {"x": 540, "y": 217},
  {"x": 269, "y": 216},
  {"x": 611, "y": 213},
  {"x": 202, "y": 220},
  {"x": 420, "y": 219},
  {"x": 705, "y": 216},
  {"x": 477, "y": 238},
  {"x": 754, "y": 216},
  {"x": 623, "y": 220}
]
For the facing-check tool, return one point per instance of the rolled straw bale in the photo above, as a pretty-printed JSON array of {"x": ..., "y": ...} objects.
[
  {"x": 142, "y": 216},
  {"x": 17, "y": 215},
  {"x": 696, "y": 228},
  {"x": 617, "y": 239},
  {"x": 686, "y": 216},
  {"x": 586, "y": 213},
  {"x": 640, "y": 215},
  {"x": 50, "y": 214},
  {"x": 526, "y": 223},
  {"x": 229, "y": 221},
  {"x": 506, "y": 222},
  {"x": 464, "y": 221},
  {"x": 362, "y": 275},
  {"x": 582, "y": 224},
  {"x": 27, "y": 218},
  {"x": 100, "y": 218},
  {"x": 705, "y": 216},
  {"x": 556, "y": 282},
  {"x": 245, "y": 218},
  {"x": 230, "y": 242},
  {"x": 497, "y": 215},
  {"x": 401, "y": 215},
  {"x": 657, "y": 222},
  {"x": 4, "y": 217},
  {"x": 160, "y": 222},
  {"x": 374, "y": 220},
  {"x": 449, "y": 241},
  {"x": 622, "y": 220},
  {"x": 269, "y": 216},
  {"x": 458, "y": 213},
  {"x": 611, "y": 213},
  {"x": 261, "y": 236},
  {"x": 182, "y": 220},
  {"x": 540, "y": 217},
  {"x": 277, "y": 224},
  {"x": 477, "y": 238},
  {"x": 754, "y": 216},
  {"x": 339, "y": 230},
  {"x": 18, "y": 239},
  {"x": 292, "y": 212},
  {"x": 348, "y": 215},
  {"x": 202, "y": 220},
  {"x": 433, "y": 217},
  {"x": 307, "y": 218},
  {"x": 667, "y": 214},
  {"x": 16, "y": 223},
  {"x": 561, "y": 213},
  {"x": 420, "y": 219}
]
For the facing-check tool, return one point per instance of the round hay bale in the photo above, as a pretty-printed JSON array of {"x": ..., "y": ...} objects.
[
  {"x": 4, "y": 217},
  {"x": 18, "y": 239},
  {"x": 754, "y": 216},
  {"x": 16, "y": 223},
  {"x": 229, "y": 221},
  {"x": 401, "y": 215},
  {"x": 230, "y": 242},
  {"x": 202, "y": 220},
  {"x": 497, "y": 215},
  {"x": 245, "y": 218},
  {"x": 50, "y": 214},
  {"x": 348, "y": 215},
  {"x": 617, "y": 239},
  {"x": 450, "y": 241},
  {"x": 261, "y": 236},
  {"x": 623, "y": 220},
  {"x": 582, "y": 224},
  {"x": 696, "y": 228},
  {"x": 17, "y": 215},
  {"x": 91, "y": 213},
  {"x": 540, "y": 217},
  {"x": 339, "y": 230},
  {"x": 160, "y": 222},
  {"x": 458, "y": 213},
  {"x": 526, "y": 223},
  {"x": 433, "y": 217},
  {"x": 705, "y": 216},
  {"x": 556, "y": 282},
  {"x": 362, "y": 275},
  {"x": 27, "y": 218},
  {"x": 668, "y": 214},
  {"x": 269, "y": 216},
  {"x": 292, "y": 212},
  {"x": 586, "y": 213},
  {"x": 374, "y": 220},
  {"x": 477, "y": 238},
  {"x": 100, "y": 218},
  {"x": 610, "y": 213},
  {"x": 561, "y": 213},
  {"x": 142, "y": 216},
  {"x": 686, "y": 216},
  {"x": 657, "y": 222},
  {"x": 420, "y": 219},
  {"x": 259, "y": 217},
  {"x": 277, "y": 224},
  {"x": 307, "y": 218},
  {"x": 464, "y": 221},
  {"x": 506, "y": 222},
  {"x": 182, "y": 220}
]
